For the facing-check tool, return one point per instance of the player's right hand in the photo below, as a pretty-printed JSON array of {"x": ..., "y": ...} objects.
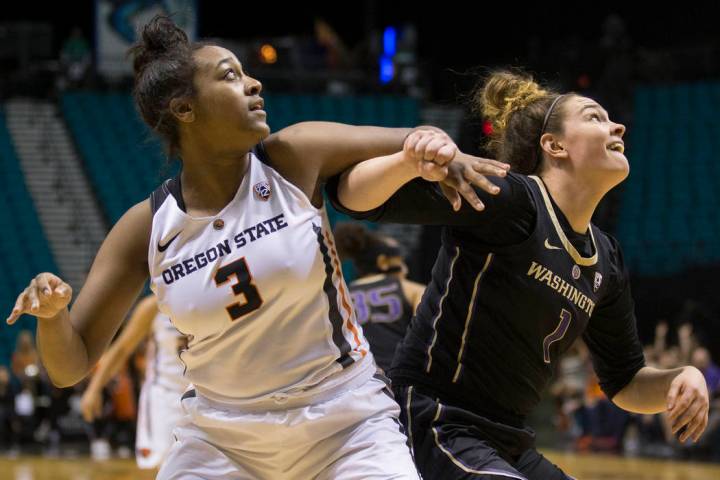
[
  {"x": 91, "y": 405},
  {"x": 45, "y": 297},
  {"x": 429, "y": 151}
]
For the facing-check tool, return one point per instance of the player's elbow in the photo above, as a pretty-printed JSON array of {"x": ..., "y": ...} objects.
[
  {"x": 65, "y": 380},
  {"x": 67, "y": 377}
]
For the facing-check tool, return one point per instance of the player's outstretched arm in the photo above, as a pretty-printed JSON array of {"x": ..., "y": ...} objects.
[
  {"x": 70, "y": 341},
  {"x": 681, "y": 392}
]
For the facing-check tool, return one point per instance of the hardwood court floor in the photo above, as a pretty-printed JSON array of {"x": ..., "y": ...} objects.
[
  {"x": 609, "y": 467},
  {"x": 582, "y": 467}
]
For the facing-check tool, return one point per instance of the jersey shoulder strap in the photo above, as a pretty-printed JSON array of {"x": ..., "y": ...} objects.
[{"x": 169, "y": 188}]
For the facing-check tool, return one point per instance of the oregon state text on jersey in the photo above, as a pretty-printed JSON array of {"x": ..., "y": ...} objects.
[{"x": 257, "y": 289}]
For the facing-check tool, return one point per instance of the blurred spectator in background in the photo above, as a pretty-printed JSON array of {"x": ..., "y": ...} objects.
[
  {"x": 26, "y": 368},
  {"x": 569, "y": 389},
  {"x": 7, "y": 410},
  {"x": 25, "y": 418},
  {"x": 75, "y": 59},
  {"x": 709, "y": 446},
  {"x": 25, "y": 359},
  {"x": 335, "y": 51},
  {"x": 701, "y": 360}
]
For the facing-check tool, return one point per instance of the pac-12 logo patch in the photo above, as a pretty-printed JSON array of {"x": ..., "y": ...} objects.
[
  {"x": 598, "y": 281},
  {"x": 262, "y": 191}
]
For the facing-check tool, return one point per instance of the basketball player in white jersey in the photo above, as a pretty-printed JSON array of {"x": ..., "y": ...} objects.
[
  {"x": 159, "y": 404},
  {"x": 239, "y": 254}
]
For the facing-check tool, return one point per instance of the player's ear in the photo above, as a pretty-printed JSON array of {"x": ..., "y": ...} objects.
[
  {"x": 182, "y": 109},
  {"x": 553, "y": 146}
]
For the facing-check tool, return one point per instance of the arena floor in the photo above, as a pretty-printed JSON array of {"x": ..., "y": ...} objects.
[{"x": 582, "y": 467}]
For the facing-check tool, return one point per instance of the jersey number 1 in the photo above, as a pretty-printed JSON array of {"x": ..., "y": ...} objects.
[
  {"x": 557, "y": 334},
  {"x": 244, "y": 287}
]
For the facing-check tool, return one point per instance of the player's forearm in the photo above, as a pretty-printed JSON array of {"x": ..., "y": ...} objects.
[
  {"x": 647, "y": 391},
  {"x": 62, "y": 349},
  {"x": 371, "y": 183}
]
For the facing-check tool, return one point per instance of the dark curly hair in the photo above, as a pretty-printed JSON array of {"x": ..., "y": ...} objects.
[{"x": 164, "y": 69}]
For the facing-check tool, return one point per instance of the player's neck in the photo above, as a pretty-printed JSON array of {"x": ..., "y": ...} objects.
[
  {"x": 576, "y": 199},
  {"x": 209, "y": 184}
]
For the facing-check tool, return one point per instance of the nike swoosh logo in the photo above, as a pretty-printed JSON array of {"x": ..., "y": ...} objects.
[
  {"x": 551, "y": 247},
  {"x": 162, "y": 248}
]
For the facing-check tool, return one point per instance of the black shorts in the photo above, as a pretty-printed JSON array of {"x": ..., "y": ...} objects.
[{"x": 450, "y": 443}]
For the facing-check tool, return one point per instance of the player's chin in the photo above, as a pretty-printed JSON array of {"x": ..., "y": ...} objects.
[
  {"x": 617, "y": 163},
  {"x": 261, "y": 129},
  {"x": 617, "y": 172},
  {"x": 623, "y": 168}
]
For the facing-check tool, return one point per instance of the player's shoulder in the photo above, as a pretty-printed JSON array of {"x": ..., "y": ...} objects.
[
  {"x": 517, "y": 189},
  {"x": 606, "y": 241},
  {"x": 610, "y": 251},
  {"x": 130, "y": 236},
  {"x": 137, "y": 219}
]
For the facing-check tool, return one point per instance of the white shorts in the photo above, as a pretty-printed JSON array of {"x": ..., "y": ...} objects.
[
  {"x": 355, "y": 435},
  {"x": 159, "y": 412}
]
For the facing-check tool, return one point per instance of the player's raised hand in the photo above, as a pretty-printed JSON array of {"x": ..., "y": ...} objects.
[
  {"x": 45, "y": 297},
  {"x": 429, "y": 151},
  {"x": 464, "y": 172},
  {"x": 430, "y": 145}
]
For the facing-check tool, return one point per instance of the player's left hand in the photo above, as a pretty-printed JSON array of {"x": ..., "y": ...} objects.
[
  {"x": 688, "y": 404},
  {"x": 466, "y": 170}
]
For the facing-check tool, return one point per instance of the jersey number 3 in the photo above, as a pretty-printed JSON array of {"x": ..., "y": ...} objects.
[
  {"x": 244, "y": 286},
  {"x": 557, "y": 334}
]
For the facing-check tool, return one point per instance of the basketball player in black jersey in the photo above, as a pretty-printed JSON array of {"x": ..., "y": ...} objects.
[
  {"x": 384, "y": 299},
  {"x": 514, "y": 286}
]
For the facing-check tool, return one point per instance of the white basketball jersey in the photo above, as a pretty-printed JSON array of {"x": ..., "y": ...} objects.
[
  {"x": 257, "y": 289},
  {"x": 163, "y": 366}
]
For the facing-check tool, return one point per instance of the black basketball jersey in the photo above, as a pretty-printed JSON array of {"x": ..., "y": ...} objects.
[
  {"x": 384, "y": 313},
  {"x": 497, "y": 315}
]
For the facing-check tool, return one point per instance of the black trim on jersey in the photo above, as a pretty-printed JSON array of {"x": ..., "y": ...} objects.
[
  {"x": 334, "y": 310},
  {"x": 157, "y": 197},
  {"x": 175, "y": 188},
  {"x": 261, "y": 154},
  {"x": 170, "y": 187},
  {"x": 189, "y": 394}
]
